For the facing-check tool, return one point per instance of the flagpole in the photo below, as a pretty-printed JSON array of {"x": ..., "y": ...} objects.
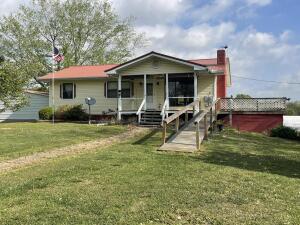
[{"x": 53, "y": 107}]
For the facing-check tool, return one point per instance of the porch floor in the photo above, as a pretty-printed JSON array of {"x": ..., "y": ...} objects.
[{"x": 184, "y": 140}]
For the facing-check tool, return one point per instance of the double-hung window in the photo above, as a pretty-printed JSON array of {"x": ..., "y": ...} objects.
[
  {"x": 67, "y": 90},
  {"x": 112, "y": 89}
]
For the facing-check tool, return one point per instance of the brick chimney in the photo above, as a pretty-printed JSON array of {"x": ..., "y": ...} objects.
[
  {"x": 221, "y": 57},
  {"x": 221, "y": 79}
]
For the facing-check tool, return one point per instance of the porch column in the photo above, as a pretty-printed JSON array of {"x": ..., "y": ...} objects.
[
  {"x": 119, "y": 97},
  {"x": 145, "y": 91},
  {"x": 167, "y": 90},
  {"x": 196, "y": 92}
]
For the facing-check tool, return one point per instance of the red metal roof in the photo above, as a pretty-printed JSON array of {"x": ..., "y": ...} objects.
[
  {"x": 98, "y": 71},
  {"x": 210, "y": 63},
  {"x": 77, "y": 72}
]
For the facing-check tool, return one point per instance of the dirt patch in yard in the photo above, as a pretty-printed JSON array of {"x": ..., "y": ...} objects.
[{"x": 71, "y": 150}]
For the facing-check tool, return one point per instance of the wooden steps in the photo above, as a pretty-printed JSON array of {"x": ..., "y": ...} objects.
[{"x": 151, "y": 118}]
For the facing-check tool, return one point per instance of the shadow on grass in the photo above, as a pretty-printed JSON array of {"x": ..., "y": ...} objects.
[
  {"x": 260, "y": 163},
  {"x": 154, "y": 138},
  {"x": 254, "y": 152},
  {"x": 150, "y": 138}
]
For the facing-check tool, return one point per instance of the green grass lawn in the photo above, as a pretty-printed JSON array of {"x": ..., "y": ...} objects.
[
  {"x": 19, "y": 139},
  {"x": 235, "y": 179}
]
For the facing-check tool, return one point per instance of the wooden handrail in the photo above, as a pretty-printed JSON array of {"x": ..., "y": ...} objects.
[
  {"x": 207, "y": 110},
  {"x": 200, "y": 117},
  {"x": 179, "y": 113},
  {"x": 175, "y": 116}
]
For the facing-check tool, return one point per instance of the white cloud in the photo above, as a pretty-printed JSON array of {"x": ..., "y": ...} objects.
[
  {"x": 264, "y": 56},
  {"x": 213, "y": 9},
  {"x": 259, "y": 40},
  {"x": 259, "y": 2},
  {"x": 286, "y": 35},
  {"x": 201, "y": 40},
  {"x": 151, "y": 12}
]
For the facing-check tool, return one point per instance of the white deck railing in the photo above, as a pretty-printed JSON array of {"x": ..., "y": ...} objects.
[{"x": 253, "y": 104}]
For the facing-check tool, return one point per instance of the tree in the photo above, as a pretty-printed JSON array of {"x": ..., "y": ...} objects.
[
  {"x": 2, "y": 59},
  {"x": 12, "y": 81},
  {"x": 293, "y": 108},
  {"x": 86, "y": 32},
  {"x": 242, "y": 96}
]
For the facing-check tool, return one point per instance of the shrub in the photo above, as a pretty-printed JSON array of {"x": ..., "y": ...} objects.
[
  {"x": 284, "y": 132},
  {"x": 75, "y": 113},
  {"x": 60, "y": 112},
  {"x": 45, "y": 113}
]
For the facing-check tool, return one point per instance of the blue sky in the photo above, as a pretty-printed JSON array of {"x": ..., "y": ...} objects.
[{"x": 263, "y": 36}]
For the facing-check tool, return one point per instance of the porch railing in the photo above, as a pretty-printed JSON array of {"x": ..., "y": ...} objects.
[
  {"x": 131, "y": 104},
  {"x": 184, "y": 99},
  {"x": 139, "y": 112},
  {"x": 252, "y": 104},
  {"x": 164, "y": 108}
]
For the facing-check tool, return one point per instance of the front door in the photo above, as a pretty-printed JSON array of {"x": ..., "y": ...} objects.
[{"x": 149, "y": 98}]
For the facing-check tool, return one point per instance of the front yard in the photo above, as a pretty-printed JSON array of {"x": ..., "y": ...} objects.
[
  {"x": 21, "y": 139},
  {"x": 236, "y": 179}
]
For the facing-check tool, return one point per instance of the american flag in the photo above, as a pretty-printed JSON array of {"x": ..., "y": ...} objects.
[{"x": 57, "y": 56}]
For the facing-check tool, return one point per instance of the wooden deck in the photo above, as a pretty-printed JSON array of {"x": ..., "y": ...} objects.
[{"x": 184, "y": 140}]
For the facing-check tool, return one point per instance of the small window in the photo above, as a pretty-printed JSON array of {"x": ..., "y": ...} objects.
[
  {"x": 68, "y": 91},
  {"x": 112, "y": 89},
  {"x": 126, "y": 89}
]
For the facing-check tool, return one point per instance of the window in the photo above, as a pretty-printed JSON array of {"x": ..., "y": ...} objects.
[
  {"x": 181, "y": 89},
  {"x": 112, "y": 89},
  {"x": 67, "y": 91}
]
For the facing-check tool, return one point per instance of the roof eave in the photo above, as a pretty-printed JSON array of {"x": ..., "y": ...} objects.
[
  {"x": 71, "y": 78},
  {"x": 216, "y": 72}
]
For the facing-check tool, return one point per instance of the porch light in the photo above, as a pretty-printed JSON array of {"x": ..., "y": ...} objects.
[{"x": 157, "y": 83}]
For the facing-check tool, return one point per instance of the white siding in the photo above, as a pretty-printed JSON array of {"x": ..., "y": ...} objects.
[
  {"x": 163, "y": 66},
  {"x": 206, "y": 87},
  {"x": 85, "y": 88},
  {"x": 29, "y": 112},
  {"x": 95, "y": 88}
]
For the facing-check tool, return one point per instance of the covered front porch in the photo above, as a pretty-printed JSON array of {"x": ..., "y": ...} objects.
[
  {"x": 162, "y": 84},
  {"x": 163, "y": 93}
]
